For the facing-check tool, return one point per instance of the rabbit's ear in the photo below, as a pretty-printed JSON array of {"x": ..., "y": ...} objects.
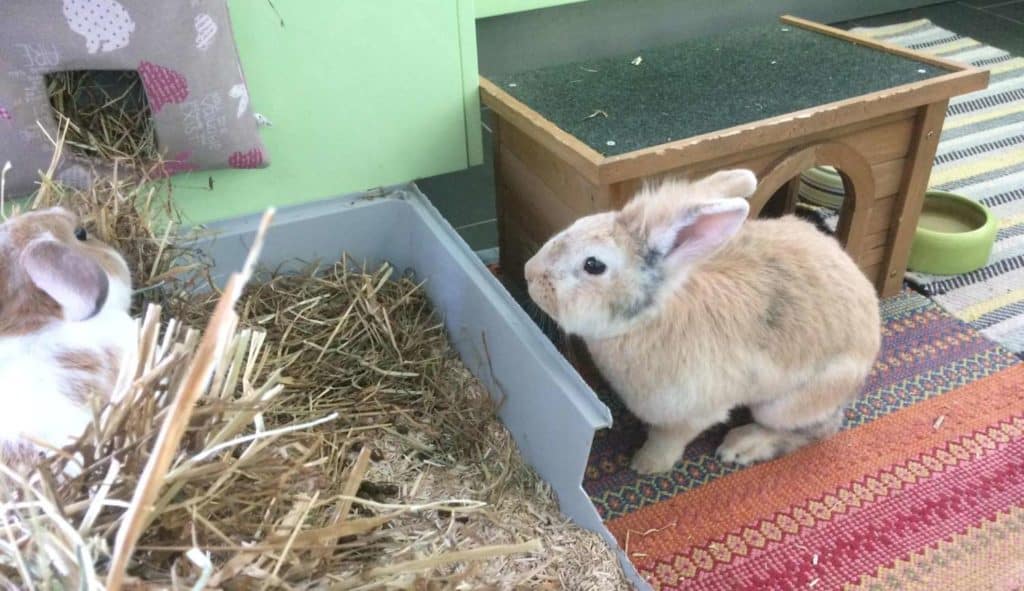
[
  {"x": 697, "y": 231},
  {"x": 738, "y": 182},
  {"x": 74, "y": 281}
]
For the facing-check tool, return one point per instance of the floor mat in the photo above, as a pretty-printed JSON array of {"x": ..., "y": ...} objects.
[
  {"x": 933, "y": 470},
  {"x": 981, "y": 156}
]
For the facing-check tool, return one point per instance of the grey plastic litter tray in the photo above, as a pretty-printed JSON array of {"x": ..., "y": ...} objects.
[{"x": 550, "y": 411}]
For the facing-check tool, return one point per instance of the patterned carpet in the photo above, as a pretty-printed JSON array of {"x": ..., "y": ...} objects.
[
  {"x": 927, "y": 492},
  {"x": 981, "y": 156}
]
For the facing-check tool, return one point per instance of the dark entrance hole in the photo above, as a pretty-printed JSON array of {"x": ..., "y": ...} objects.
[{"x": 108, "y": 111}]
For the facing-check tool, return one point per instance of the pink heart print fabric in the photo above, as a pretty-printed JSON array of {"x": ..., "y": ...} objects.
[{"x": 186, "y": 58}]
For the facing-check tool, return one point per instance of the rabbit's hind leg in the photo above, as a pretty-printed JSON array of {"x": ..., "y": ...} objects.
[
  {"x": 785, "y": 424},
  {"x": 754, "y": 442}
]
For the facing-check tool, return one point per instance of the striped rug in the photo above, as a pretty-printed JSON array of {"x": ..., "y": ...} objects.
[
  {"x": 923, "y": 489},
  {"x": 981, "y": 156}
]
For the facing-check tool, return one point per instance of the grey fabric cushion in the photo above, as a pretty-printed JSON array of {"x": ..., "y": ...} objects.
[{"x": 183, "y": 51}]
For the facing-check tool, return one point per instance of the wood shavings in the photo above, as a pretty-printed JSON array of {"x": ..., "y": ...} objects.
[
  {"x": 637, "y": 60},
  {"x": 938, "y": 422},
  {"x": 597, "y": 113}
]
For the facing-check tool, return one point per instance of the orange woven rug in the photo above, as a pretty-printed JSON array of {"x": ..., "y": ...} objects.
[{"x": 924, "y": 489}]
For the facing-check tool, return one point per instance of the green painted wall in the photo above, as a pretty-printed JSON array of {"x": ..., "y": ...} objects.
[{"x": 360, "y": 94}]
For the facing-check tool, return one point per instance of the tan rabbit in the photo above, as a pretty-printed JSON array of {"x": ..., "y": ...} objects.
[
  {"x": 65, "y": 330},
  {"x": 689, "y": 310}
]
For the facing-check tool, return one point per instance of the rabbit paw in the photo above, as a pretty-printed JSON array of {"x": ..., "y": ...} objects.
[
  {"x": 748, "y": 444},
  {"x": 653, "y": 458}
]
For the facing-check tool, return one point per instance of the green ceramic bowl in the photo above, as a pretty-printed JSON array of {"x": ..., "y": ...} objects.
[
  {"x": 954, "y": 235},
  {"x": 822, "y": 185}
]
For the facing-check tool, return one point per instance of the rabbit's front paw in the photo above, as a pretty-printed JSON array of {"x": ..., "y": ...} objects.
[
  {"x": 651, "y": 462},
  {"x": 655, "y": 457},
  {"x": 748, "y": 444}
]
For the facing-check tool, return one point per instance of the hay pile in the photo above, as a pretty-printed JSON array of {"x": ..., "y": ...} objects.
[{"x": 326, "y": 436}]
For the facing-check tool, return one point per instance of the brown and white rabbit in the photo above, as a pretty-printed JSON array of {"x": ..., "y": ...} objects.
[
  {"x": 688, "y": 311},
  {"x": 65, "y": 330}
]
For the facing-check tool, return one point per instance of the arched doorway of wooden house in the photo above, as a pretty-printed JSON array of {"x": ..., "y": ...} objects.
[{"x": 844, "y": 182}]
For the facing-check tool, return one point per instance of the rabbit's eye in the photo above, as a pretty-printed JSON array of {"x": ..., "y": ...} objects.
[
  {"x": 80, "y": 234},
  {"x": 594, "y": 266}
]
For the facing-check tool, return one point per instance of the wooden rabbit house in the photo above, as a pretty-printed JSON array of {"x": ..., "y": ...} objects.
[{"x": 580, "y": 138}]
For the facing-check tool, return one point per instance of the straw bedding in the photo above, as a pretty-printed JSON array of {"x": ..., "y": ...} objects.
[{"x": 318, "y": 433}]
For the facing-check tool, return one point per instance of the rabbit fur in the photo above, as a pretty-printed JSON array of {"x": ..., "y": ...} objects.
[
  {"x": 65, "y": 330},
  {"x": 695, "y": 311}
]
